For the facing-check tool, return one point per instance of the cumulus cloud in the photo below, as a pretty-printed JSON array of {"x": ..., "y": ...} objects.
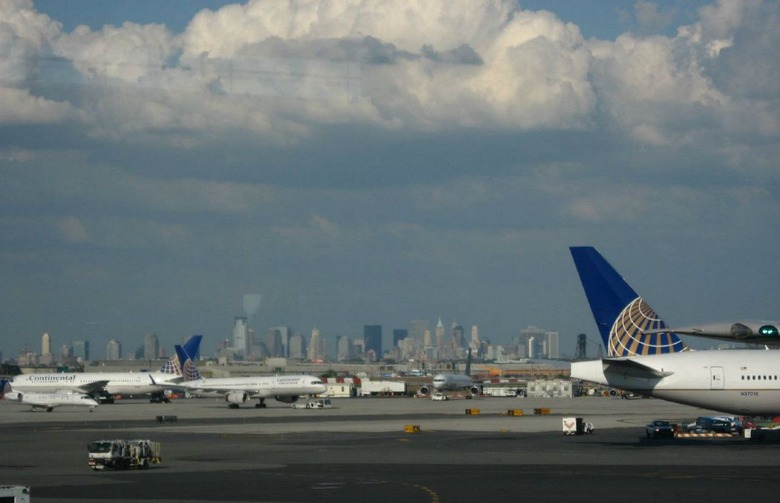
[{"x": 471, "y": 64}]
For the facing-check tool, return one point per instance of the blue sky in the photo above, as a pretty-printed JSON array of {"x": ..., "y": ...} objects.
[{"x": 378, "y": 162}]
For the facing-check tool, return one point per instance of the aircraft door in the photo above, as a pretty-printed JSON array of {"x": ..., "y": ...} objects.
[{"x": 716, "y": 377}]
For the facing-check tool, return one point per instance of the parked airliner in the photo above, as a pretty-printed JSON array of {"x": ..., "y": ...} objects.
[
  {"x": 46, "y": 401},
  {"x": 239, "y": 390},
  {"x": 106, "y": 383},
  {"x": 645, "y": 357},
  {"x": 454, "y": 382}
]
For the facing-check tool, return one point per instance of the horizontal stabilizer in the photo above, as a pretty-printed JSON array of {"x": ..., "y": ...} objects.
[{"x": 630, "y": 368}]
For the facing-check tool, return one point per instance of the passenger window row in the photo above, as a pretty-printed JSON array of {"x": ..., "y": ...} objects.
[{"x": 759, "y": 378}]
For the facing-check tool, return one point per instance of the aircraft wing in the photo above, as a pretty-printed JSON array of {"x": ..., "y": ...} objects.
[
  {"x": 748, "y": 332},
  {"x": 630, "y": 368},
  {"x": 87, "y": 388}
]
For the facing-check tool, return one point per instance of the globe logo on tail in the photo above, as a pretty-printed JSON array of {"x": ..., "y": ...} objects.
[{"x": 639, "y": 331}]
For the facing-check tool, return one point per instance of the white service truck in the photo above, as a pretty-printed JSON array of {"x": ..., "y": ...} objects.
[{"x": 121, "y": 454}]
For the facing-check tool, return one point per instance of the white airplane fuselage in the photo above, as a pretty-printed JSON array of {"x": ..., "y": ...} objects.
[
  {"x": 119, "y": 383},
  {"x": 451, "y": 382},
  {"x": 50, "y": 400},
  {"x": 256, "y": 387},
  {"x": 745, "y": 382}
]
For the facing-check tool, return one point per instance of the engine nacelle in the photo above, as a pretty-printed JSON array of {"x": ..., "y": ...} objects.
[
  {"x": 475, "y": 390},
  {"x": 424, "y": 390},
  {"x": 286, "y": 399},
  {"x": 237, "y": 397}
]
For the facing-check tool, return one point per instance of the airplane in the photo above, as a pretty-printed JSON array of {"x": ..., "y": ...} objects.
[
  {"x": 646, "y": 357},
  {"x": 239, "y": 390},
  {"x": 453, "y": 382},
  {"x": 106, "y": 384},
  {"x": 46, "y": 401}
]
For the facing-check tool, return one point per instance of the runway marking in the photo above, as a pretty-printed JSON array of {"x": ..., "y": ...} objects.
[{"x": 431, "y": 492}]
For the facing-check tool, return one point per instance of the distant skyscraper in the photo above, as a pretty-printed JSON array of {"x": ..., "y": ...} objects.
[
  {"x": 285, "y": 333},
  {"x": 46, "y": 357},
  {"x": 372, "y": 338},
  {"x": 418, "y": 329},
  {"x": 399, "y": 334},
  {"x": 151, "y": 347},
  {"x": 240, "y": 331},
  {"x": 315, "y": 346},
  {"x": 273, "y": 341},
  {"x": 297, "y": 347},
  {"x": 81, "y": 350},
  {"x": 113, "y": 350},
  {"x": 439, "y": 335},
  {"x": 344, "y": 348},
  {"x": 475, "y": 342},
  {"x": 458, "y": 336},
  {"x": 45, "y": 344},
  {"x": 552, "y": 345},
  {"x": 427, "y": 340}
]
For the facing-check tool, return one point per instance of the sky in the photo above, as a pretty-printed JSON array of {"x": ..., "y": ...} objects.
[{"x": 377, "y": 162}]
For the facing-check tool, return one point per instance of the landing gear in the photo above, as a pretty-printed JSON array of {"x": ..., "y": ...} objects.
[{"x": 260, "y": 403}]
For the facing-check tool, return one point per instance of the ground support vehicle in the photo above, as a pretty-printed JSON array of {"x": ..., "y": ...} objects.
[
  {"x": 576, "y": 426},
  {"x": 314, "y": 403},
  {"x": 121, "y": 454},
  {"x": 660, "y": 429}
]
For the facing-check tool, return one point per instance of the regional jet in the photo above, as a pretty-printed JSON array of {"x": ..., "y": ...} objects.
[
  {"x": 240, "y": 390},
  {"x": 46, "y": 401},
  {"x": 646, "y": 357}
]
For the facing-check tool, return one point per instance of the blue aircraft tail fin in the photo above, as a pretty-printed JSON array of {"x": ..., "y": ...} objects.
[
  {"x": 189, "y": 371},
  {"x": 626, "y": 322},
  {"x": 174, "y": 365}
]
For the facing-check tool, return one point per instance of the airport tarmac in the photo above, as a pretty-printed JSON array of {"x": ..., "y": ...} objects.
[{"x": 359, "y": 451}]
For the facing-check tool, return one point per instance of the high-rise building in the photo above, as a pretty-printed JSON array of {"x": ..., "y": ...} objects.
[
  {"x": 285, "y": 333},
  {"x": 439, "y": 335},
  {"x": 240, "y": 331},
  {"x": 399, "y": 334},
  {"x": 418, "y": 329},
  {"x": 151, "y": 347},
  {"x": 474, "y": 343},
  {"x": 297, "y": 347},
  {"x": 344, "y": 348},
  {"x": 372, "y": 338},
  {"x": 45, "y": 344},
  {"x": 113, "y": 350},
  {"x": 316, "y": 347},
  {"x": 46, "y": 357},
  {"x": 81, "y": 350},
  {"x": 552, "y": 345},
  {"x": 458, "y": 336},
  {"x": 273, "y": 341}
]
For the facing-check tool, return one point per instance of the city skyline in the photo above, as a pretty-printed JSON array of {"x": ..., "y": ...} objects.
[{"x": 320, "y": 347}]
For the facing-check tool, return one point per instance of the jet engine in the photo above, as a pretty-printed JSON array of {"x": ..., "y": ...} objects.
[
  {"x": 236, "y": 397},
  {"x": 475, "y": 391},
  {"x": 424, "y": 390},
  {"x": 287, "y": 399}
]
